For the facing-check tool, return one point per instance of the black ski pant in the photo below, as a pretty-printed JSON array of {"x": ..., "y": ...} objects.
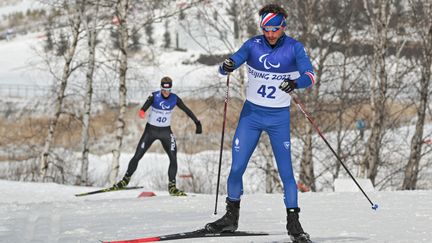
[{"x": 167, "y": 138}]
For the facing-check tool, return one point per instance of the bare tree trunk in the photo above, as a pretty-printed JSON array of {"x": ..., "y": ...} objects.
[
  {"x": 379, "y": 18},
  {"x": 412, "y": 168},
  {"x": 424, "y": 28},
  {"x": 307, "y": 176},
  {"x": 122, "y": 12},
  {"x": 91, "y": 42},
  {"x": 44, "y": 162},
  {"x": 339, "y": 115}
]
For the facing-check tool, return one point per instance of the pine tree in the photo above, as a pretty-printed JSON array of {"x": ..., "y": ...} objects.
[
  {"x": 115, "y": 38},
  {"x": 49, "y": 43},
  {"x": 182, "y": 15},
  {"x": 135, "y": 37},
  {"x": 167, "y": 36},
  {"x": 63, "y": 44},
  {"x": 148, "y": 28}
]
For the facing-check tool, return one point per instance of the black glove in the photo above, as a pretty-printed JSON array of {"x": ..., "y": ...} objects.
[
  {"x": 198, "y": 127},
  {"x": 123, "y": 183},
  {"x": 288, "y": 85},
  {"x": 228, "y": 65}
]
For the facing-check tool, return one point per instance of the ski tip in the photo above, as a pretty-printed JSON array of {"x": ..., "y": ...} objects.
[{"x": 375, "y": 207}]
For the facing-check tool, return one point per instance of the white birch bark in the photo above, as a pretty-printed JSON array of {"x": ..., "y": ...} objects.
[
  {"x": 44, "y": 162},
  {"x": 379, "y": 13},
  {"x": 91, "y": 45},
  {"x": 424, "y": 29},
  {"x": 122, "y": 9}
]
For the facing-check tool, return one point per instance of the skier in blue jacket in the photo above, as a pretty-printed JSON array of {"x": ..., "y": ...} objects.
[
  {"x": 158, "y": 127},
  {"x": 276, "y": 65}
]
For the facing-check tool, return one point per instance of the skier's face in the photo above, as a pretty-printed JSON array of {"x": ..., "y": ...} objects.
[
  {"x": 273, "y": 34},
  {"x": 165, "y": 92}
]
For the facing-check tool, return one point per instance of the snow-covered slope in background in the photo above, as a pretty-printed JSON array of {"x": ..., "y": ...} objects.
[
  {"x": 34, "y": 212},
  {"x": 19, "y": 6},
  {"x": 24, "y": 65},
  {"x": 18, "y": 62}
]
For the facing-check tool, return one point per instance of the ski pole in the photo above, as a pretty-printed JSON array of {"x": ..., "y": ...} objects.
[
  {"x": 374, "y": 206},
  {"x": 222, "y": 141}
]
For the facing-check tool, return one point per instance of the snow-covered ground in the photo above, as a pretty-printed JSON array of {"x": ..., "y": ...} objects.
[{"x": 35, "y": 212}]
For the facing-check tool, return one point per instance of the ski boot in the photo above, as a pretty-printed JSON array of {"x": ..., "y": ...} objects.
[
  {"x": 294, "y": 228},
  {"x": 228, "y": 222},
  {"x": 174, "y": 191},
  {"x": 122, "y": 184}
]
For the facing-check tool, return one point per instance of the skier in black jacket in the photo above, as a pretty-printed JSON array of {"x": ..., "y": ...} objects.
[{"x": 162, "y": 103}]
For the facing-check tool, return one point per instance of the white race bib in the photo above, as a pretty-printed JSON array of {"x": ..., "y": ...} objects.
[
  {"x": 263, "y": 88},
  {"x": 160, "y": 118}
]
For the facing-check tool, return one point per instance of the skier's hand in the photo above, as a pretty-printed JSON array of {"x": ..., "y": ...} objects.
[
  {"x": 227, "y": 66},
  {"x": 198, "y": 127},
  {"x": 141, "y": 113},
  {"x": 288, "y": 85}
]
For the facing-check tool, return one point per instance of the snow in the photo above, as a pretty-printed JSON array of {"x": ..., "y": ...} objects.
[
  {"x": 18, "y": 67},
  {"x": 20, "y": 6},
  {"x": 348, "y": 185},
  {"x": 47, "y": 212}
]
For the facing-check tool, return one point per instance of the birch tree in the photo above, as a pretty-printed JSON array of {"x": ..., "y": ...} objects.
[
  {"x": 121, "y": 13},
  {"x": 422, "y": 23},
  {"x": 379, "y": 13},
  {"x": 74, "y": 24},
  {"x": 316, "y": 29},
  {"x": 90, "y": 25},
  {"x": 346, "y": 68},
  {"x": 230, "y": 24}
]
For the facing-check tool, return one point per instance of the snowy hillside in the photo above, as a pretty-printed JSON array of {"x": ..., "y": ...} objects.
[
  {"x": 25, "y": 67},
  {"x": 33, "y": 212},
  {"x": 8, "y": 7}
]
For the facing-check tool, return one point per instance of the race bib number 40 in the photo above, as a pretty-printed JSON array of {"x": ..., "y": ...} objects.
[{"x": 160, "y": 118}]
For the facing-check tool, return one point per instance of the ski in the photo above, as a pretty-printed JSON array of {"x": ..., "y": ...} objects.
[
  {"x": 201, "y": 233},
  {"x": 109, "y": 189}
]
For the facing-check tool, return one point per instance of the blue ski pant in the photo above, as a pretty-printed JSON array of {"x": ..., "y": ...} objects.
[{"x": 253, "y": 121}]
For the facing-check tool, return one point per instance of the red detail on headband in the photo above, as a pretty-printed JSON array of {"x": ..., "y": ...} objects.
[{"x": 267, "y": 18}]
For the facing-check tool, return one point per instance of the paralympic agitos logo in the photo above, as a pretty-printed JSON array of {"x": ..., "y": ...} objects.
[
  {"x": 267, "y": 64},
  {"x": 163, "y": 106}
]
